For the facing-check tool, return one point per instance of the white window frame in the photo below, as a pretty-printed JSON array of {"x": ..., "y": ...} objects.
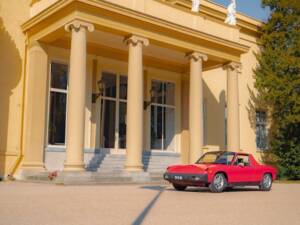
[{"x": 50, "y": 89}]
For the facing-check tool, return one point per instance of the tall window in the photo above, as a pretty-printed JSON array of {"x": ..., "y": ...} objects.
[
  {"x": 58, "y": 103},
  {"x": 261, "y": 130},
  {"x": 163, "y": 115},
  {"x": 113, "y": 111}
]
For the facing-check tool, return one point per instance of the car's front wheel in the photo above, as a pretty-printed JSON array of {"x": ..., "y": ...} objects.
[
  {"x": 219, "y": 183},
  {"x": 266, "y": 183},
  {"x": 179, "y": 187}
]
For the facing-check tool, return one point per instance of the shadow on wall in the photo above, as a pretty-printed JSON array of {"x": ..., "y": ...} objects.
[
  {"x": 10, "y": 75},
  {"x": 215, "y": 118}
]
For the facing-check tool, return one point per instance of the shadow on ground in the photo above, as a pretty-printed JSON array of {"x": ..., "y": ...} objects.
[
  {"x": 160, "y": 189},
  {"x": 206, "y": 190}
]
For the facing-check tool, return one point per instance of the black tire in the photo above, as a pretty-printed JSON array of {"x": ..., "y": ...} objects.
[
  {"x": 266, "y": 183},
  {"x": 219, "y": 183},
  {"x": 179, "y": 187}
]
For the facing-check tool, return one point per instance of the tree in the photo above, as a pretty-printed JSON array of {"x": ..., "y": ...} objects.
[{"x": 278, "y": 82}]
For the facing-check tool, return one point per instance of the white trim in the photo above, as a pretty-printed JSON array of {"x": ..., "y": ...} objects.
[
  {"x": 164, "y": 105},
  {"x": 58, "y": 90}
]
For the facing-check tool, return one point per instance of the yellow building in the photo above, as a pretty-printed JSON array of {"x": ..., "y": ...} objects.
[{"x": 126, "y": 77}]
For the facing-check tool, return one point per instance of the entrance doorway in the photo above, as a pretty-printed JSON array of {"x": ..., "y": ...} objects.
[{"x": 113, "y": 112}]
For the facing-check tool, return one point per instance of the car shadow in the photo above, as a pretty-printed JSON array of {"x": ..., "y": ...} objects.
[{"x": 206, "y": 190}]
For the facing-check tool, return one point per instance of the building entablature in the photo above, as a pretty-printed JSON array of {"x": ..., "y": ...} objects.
[
  {"x": 171, "y": 10},
  {"x": 156, "y": 24}
]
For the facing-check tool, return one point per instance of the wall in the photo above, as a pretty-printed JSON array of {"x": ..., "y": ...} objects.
[
  {"x": 215, "y": 89},
  {"x": 12, "y": 50},
  {"x": 247, "y": 98}
]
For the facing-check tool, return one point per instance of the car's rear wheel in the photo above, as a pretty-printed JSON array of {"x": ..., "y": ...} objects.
[
  {"x": 266, "y": 183},
  {"x": 219, "y": 183},
  {"x": 179, "y": 187}
]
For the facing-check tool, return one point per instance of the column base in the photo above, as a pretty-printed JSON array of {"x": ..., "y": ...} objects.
[
  {"x": 74, "y": 167},
  {"x": 33, "y": 166},
  {"x": 134, "y": 168},
  {"x": 29, "y": 169}
]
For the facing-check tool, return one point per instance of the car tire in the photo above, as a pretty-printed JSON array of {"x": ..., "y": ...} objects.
[
  {"x": 179, "y": 187},
  {"x": 266, "y": 183},
  {"x": 218, "y": 184}
]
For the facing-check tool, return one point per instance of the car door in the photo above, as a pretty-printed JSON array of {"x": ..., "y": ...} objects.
[{"x": 241, "y": 170}]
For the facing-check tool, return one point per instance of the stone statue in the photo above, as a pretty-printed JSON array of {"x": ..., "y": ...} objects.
[
  {"x": 231, "y": 13},
  {"x": 195, "y": 5}
]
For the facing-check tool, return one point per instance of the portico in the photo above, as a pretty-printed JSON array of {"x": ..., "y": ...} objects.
[{"x": 158, "y": 59}]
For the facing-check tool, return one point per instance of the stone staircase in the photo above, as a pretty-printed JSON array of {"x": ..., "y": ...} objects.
[
  {"x": 156, "y": 162},
  {"x": 109, "y": 169}
]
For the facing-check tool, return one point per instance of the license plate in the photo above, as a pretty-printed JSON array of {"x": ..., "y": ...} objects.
[{"x": 178, "y": 177}]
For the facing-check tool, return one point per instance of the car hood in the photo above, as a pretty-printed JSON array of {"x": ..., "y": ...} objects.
[{"x": 192, "y": 168}]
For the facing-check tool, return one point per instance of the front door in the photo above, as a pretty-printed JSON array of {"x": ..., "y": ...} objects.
[{"x": 163, "y": 115}]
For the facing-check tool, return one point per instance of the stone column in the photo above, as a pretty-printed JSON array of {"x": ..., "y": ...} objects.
[
  {"x": 76, "y": 96},
  {"x": 35, "y": 107},
  {"x": 233, "y": 114},
  {"x": 135, "y": 99},
  {"x": 196, "y": 106}
]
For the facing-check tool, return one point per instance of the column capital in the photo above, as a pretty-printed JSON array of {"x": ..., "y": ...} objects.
[
  {"x": 196, "y": 56},
  {"x": 77, "y": 24},
  {"x": 233, "y": 66},
  {"x": 134, "y": 39},
  {"x": 36, "y": 46}
]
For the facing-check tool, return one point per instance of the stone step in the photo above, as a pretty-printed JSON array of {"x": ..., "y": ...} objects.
[
  {"x": 103, "y": 177},
  {"x": 108, "y": 163},
  {"x": 109, "y": 178},
  {"x": 152, "y": 161},
  {"x": 144, "y": 157}
]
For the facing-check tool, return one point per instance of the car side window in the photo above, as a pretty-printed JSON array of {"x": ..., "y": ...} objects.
[
  {"x": 242, "y": 160},
  {"x": 225, "y": 158}
]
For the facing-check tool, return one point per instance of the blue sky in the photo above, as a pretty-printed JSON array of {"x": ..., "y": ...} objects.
[{"x": 249, "y": 7}]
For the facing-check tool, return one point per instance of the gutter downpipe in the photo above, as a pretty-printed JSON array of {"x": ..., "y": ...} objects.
[{"x": 20, "y": 157}]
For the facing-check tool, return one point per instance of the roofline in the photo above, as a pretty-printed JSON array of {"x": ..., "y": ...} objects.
[
  {"x": 217, "y": 12},
  {"x": 240, "y": 14}
]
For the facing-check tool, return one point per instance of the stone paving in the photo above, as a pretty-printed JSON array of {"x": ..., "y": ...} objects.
[{"x": 47, "y": 204}]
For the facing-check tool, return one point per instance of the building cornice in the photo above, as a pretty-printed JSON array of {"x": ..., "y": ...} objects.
[{"x": 75, "y": 6}]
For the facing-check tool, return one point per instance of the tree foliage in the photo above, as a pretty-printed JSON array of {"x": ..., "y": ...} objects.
[{"x": 278, "y": 81}]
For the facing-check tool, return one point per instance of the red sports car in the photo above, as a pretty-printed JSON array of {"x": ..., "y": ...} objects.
[{"x": 221, "y": 170}]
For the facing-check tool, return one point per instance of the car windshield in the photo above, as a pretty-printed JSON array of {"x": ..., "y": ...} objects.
[{"x": 224, "y": 158}]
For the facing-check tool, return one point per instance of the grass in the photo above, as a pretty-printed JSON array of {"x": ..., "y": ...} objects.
[{"x": 287, "y": 181}]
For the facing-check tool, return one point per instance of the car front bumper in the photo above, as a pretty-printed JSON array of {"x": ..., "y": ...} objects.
[{"x": 190, "y": 179}]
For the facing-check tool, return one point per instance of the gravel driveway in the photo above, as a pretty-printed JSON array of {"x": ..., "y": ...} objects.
[{"x": 46, "y": 204}]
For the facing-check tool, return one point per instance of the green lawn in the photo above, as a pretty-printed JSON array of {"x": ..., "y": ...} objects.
[{"x": 287, "y": 181}]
